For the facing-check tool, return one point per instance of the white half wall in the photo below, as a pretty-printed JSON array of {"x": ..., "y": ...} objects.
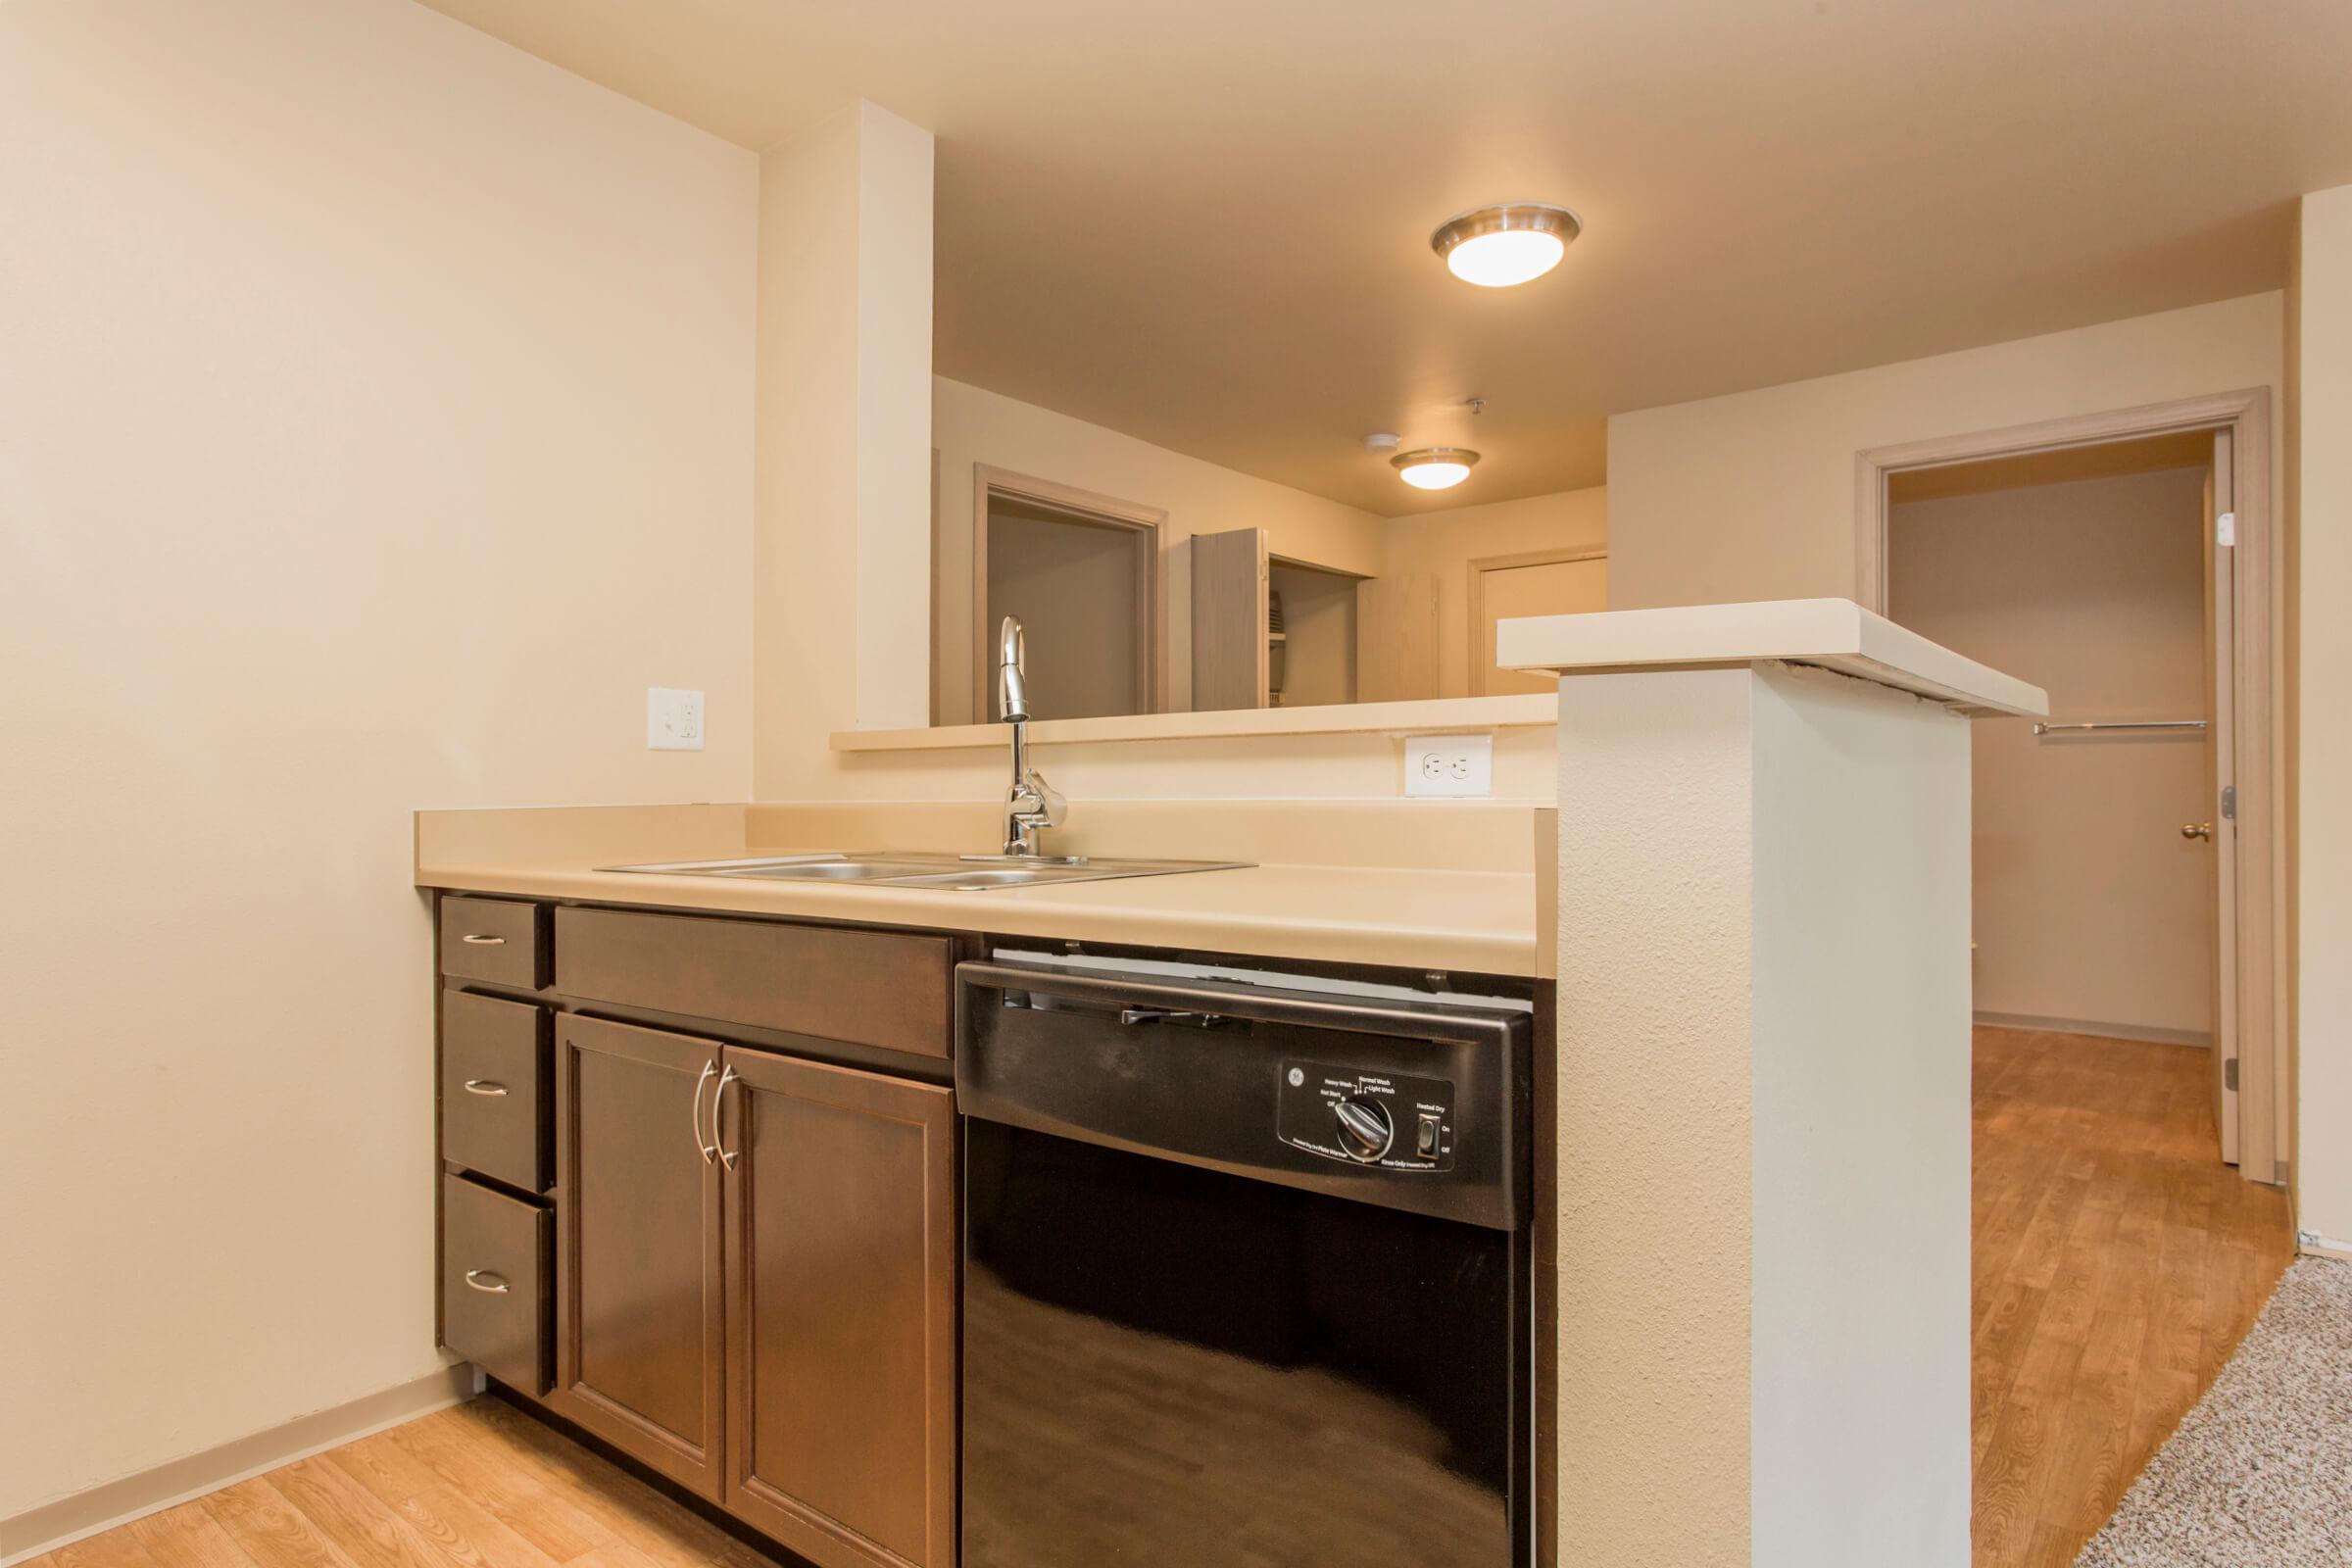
[{"x": 1763, "y": 1157}]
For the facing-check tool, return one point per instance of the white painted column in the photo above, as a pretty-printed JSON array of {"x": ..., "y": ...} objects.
[
  {"x": 1762, "y": 1086},
  {"x": 894, "y": 421},
  {"x": 842, "y": 530}
]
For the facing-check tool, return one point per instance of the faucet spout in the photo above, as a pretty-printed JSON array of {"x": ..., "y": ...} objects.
[
  {"x": 1031, "y": 804},
  {"x": 1012, "y": 693}
]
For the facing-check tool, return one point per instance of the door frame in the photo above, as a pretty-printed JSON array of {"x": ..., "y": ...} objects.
[
  {"x": 1089, "y": 507},
  {"x": 1480, "y": 655},
  {"x": 2265, "y": 1087}
]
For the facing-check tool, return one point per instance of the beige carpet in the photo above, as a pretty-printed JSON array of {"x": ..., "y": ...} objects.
[{"x": 2259, "y": 1475}]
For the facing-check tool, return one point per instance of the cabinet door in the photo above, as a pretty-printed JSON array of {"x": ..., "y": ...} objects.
[
  {"x": 841, "y": 1252},
  {"x": 639, "y": 1319},
  {"x": 1229, "y": 619}
]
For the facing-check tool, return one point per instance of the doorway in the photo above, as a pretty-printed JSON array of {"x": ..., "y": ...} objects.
[
  {"x": 2082, "y": 572},
  {"x": 1081, "y": 571},
  {"x": 1536, "y": 582},
  {"x": 2221, "y": 445},
  {"x": 2123, "y": 920}
]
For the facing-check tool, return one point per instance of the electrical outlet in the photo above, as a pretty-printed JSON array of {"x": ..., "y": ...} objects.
[
  {"x": 1450, "y": 764},
  {"x": 673, "y": 720}
]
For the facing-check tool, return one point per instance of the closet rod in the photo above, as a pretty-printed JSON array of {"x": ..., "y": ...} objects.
[{"x": 2121, "y": 723}]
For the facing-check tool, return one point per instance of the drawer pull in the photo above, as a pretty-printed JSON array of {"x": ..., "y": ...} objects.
[
  {"x": 476, "y": 939},
  {"x": 485, "y": 1086},
  {"x": 482, "y": 1278}
]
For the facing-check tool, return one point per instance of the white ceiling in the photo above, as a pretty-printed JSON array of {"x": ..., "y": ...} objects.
[{"x": 1207, "y": 224}]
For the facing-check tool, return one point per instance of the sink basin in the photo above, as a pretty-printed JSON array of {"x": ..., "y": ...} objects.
[{"x": 958, "y": 873}]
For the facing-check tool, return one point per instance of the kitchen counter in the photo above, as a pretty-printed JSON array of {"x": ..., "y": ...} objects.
[{"x": 1476, "y": 914}]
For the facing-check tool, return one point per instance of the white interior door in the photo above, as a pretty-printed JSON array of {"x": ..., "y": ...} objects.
[
  {"x": 2221, "y": 803},
  {"x": 1500, "y": 590}
]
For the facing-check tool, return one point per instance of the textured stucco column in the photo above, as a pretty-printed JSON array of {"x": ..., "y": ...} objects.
[{"x": 1763, "y": 1097}]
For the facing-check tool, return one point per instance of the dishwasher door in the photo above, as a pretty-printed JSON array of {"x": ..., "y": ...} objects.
[{"x": 1202, "y": 1330}]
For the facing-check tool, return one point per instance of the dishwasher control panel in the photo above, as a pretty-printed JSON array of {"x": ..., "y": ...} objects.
[{"x": 1388, "y": 1120}]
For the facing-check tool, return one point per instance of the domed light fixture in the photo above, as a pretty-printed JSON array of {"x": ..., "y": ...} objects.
[
  {"x": 1434, "y": 468},
  {"x": 1510, "y": 242}
]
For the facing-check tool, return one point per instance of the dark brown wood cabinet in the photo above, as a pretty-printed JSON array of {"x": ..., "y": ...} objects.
[
  {"x": 494, "y": 1277},
  {"x": 748, "y": 1257},
  {"x": 890, "y": 988},
  {"x": 497, "y": 940},
  {"x": 639, "y": 1328},
  {"x": 494, "y": 1106},
  {"x": 840, "y": 1261}
]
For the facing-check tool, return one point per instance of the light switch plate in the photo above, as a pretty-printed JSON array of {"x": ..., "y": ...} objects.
[
  {"x": 673, "y": 720},
  {"x": 1450, "y": 764}
]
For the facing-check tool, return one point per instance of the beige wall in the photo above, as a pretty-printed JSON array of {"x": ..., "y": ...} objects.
[
  {"x": 971, "y": 426},
  {"x": 2323, "y": 763},
  {"x": 1446, "y": 542},
  {"x": 1752, "y": 496},
  {"x": 2090, "y": 908},
  {"x": 375, "y": 423}
]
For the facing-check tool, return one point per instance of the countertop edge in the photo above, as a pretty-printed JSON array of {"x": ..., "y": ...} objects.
[{"x": 1019, "y": 912}]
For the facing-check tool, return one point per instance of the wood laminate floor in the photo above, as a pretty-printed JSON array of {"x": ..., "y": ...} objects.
[
  {"x": 2118, "y": 1263},
  {"x": 480, "y": 1486}
]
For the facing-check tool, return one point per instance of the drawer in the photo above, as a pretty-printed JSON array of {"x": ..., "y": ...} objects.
[
  {"x": 492, "y": 939},
  {"x": 869, "y": 988},
  {"x": 494, "y": 1282},
  {"x": 496, "y": 1113}
]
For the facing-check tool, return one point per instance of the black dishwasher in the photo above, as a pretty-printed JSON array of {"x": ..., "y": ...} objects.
[{"x": 1246, "y": 1274}]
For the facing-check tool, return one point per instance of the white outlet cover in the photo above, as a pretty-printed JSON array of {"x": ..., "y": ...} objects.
[
  {"x": 1450, "y": 764},
  {"x": 673, "y": 720}
]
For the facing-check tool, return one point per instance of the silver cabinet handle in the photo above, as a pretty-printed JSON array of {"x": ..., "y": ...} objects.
[
  {"x": 719, "y": 1107},
  {"x": 481, "y": 1279},
  {"x": 476, "y": 939},
  {"x": 485, "y": 1086},
  {"x": 695, "y": 1118}
]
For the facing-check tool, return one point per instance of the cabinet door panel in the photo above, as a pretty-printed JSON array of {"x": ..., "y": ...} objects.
[
  {"x": 639, "y": 1320},
  {"x": 1229, "y": 619},
  {"x": 840, "y": 1266}
]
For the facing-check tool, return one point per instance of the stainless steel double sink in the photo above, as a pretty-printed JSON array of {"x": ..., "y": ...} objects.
[{"x": 950, "y": 873}]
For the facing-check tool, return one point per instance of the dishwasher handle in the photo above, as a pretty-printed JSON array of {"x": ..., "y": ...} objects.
[{"x": 1227, "y": 1004}]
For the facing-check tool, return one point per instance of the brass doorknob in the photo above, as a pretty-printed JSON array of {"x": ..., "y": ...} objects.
[{"x": 2197, "y": 830}]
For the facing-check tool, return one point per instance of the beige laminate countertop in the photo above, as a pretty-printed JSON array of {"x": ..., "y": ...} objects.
[{"x": 1469, "y": 920}]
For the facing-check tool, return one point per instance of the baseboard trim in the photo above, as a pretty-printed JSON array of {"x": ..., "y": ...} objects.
[
  {"x": 116, "y": 1502},
  {"x": 2146, "y": 1034}
]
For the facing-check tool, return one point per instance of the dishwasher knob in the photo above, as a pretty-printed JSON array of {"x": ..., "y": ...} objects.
[{"x": 1364, "y": 1128}]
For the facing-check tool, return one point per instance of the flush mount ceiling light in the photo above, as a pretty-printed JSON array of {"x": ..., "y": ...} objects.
[
  {"x": 1434, "y": 468},
  {"x": 1510, "y": 242}
]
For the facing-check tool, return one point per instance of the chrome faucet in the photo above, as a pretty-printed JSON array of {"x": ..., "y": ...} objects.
[{"x": 1031, "y": 804}]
